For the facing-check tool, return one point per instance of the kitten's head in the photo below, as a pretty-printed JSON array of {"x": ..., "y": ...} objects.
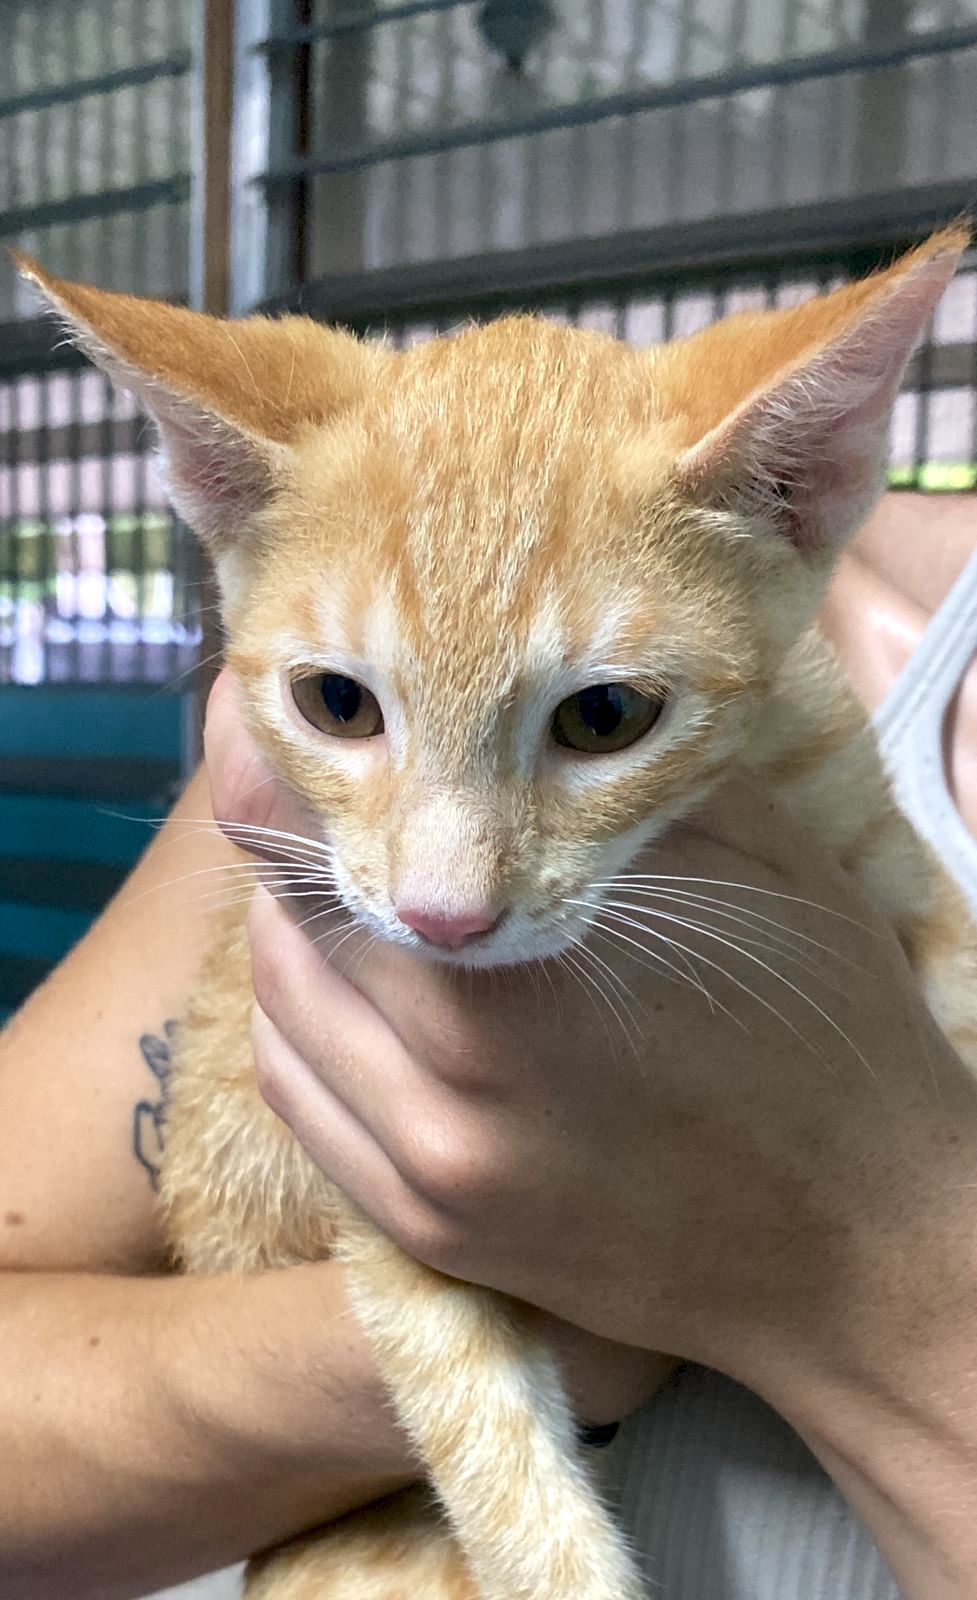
[{"x": 506, "y": 605}]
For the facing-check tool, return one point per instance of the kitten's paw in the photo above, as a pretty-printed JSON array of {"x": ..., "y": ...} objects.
[{"x": 399, "y": 1549}]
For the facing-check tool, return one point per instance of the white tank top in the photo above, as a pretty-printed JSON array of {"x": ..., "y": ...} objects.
[{"x": 720, "y": 1497}]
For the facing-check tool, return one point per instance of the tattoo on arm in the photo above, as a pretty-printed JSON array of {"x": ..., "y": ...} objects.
[{"x": 149, "y": 1118}]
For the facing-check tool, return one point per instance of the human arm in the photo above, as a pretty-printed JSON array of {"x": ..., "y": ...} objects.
[
  {"x": 156, "y": 1426},
  {"x": 153, "y": 1426}
]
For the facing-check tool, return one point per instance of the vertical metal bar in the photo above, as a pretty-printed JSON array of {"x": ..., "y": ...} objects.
[
  {"x": 141, "y": 270},
  {"x": 74, "y": 541},
  {"x": 880, "y": 123},
  {"x": 668, "y": 315},
  {"x": 212, "y": 100},
  {"x": 210, "y": 289},
  {"x": 261, "y": 229},
  {"x": 446, "y": 105},
  {"x": 729, "y": 108},
  {"x": 71, "y": 154},
  {"x": 783, "y": 100},
  {"x": 922, "y": 444},
  {"x": 333, "y": 110},
  {"x": 17, "y": 530},
  {"x": 675, "y": 118},
  {"x": 405, "y": 189},
  {"x": 44, "y": 562}
]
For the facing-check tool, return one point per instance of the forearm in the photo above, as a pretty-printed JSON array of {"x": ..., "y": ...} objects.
[
  {"x": 907, "y": 1464},
  {"x": 158, "y": 1428},
  {"x": 885, "y": 1391}
]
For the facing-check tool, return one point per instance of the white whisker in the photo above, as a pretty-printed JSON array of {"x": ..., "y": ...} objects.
[
  {"x": 654, "y": 962},
  {"x": 707, "y": 961},
  {"x": 586, "y": 982},
  {"x": 688, "y": 975},
  {"x": 730, "y": 907},
  {"x": 727, "y": 883},
  {"x": 778, "y": 976},
  {"x": 780, "y": 948},
  {"x": 589, "y": 955}
]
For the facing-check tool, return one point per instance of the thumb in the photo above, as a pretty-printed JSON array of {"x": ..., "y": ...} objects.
[{"x": 252, "y": 806}]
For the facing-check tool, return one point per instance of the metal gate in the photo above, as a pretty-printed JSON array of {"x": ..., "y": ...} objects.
[
  {"x": 637, "y": 166},
  {"x": 96, "y": 579},
  {"x": 400, "y": 165}
]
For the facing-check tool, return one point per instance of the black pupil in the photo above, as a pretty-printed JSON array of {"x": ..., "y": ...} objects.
[
  {"x": 601, "y": 709},
  {"x": 341, "y": 697}
]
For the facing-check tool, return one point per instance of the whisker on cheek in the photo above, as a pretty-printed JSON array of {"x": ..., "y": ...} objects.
[
  {"x": 631, "y": 1033},
  {"x": 626, "y": 884},
  {"x": 740, "y": 949},
  {"x": 689, "y": 974},
  {"x": 777, "y": 948},
  {"x": 728, "y": 883}
]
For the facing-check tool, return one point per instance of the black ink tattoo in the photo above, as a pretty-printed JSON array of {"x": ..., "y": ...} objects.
[{"x": 149, "y": 1118}]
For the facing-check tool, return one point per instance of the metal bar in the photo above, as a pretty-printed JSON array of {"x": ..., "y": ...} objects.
[
  {"x": 211, "y": 134},
  {"x": 367, "y": 17},
  {"x": 655, "y": 97},
  {"x": 105, "y": 83},
  {"x": 210, "y": 249},
  {"x": 252, "y": 147},
  {"x": 723, "y": 246},
  {"x": 82, "y": 207},
  {"x": 36, "y": 345},
  {"x": 263, "y": 229}
]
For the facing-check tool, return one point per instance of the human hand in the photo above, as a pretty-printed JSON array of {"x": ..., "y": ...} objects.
[
  {"x": 728, "y": 1188},
  {"x": 731, "y": 1185}
]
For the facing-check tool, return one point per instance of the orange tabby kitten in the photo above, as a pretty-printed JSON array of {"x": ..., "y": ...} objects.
[{"x": 504, "y": 607}]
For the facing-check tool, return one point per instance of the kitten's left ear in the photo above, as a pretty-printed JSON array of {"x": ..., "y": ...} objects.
[
  {"x": 790, "y": 410},
  {"x": 228, "y": 397}
]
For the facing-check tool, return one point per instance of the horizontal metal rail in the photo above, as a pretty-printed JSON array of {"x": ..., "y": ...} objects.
[
  {"x": 764, "y": 243},
  {"x": 80, "y": 88},
  {"x": 103, "y": 203},
  {"x": 358, "y": 22},
  {"x": 652, "y": 97}
]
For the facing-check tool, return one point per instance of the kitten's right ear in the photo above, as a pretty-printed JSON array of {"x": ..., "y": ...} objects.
[{"x": 228, "y": 398}]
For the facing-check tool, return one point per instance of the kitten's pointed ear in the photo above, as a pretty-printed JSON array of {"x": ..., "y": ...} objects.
[
  {"x": 228, "y": 397},
  {"x": 786, "y": 414}
]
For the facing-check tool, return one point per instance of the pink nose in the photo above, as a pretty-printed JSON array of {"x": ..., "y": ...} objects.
[{"x": 449, "y": 932}]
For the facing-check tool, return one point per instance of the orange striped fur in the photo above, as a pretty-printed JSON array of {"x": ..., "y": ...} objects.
[{"x": 476, "y": 529}]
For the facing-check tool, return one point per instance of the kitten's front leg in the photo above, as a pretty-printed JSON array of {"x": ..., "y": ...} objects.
[{"x": 484, "y": 1406}]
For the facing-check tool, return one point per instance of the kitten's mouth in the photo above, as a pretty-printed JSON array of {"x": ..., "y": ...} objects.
[{"x": 516, "y": 943}]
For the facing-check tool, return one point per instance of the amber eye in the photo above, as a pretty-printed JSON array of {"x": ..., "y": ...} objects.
[
  {"x": 338, "y": 705},
  {"x": 605, "y": 717}
]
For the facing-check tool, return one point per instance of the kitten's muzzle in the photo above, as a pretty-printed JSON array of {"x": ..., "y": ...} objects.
[{"x": 454, "y": 931}]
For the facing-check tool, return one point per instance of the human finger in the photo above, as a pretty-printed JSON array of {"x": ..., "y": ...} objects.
[
  {"x": 347, "y": 1043},
  {"x": 251, "y": 804},
  {"x": 335, "y": 1139}
]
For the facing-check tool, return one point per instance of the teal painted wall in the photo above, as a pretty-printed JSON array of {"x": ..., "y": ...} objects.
[{"x": 126, "y": 743}]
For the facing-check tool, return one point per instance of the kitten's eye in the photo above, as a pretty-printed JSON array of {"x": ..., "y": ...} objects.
[
  {"x": 605, "y": 717},
  {"x": 338, "y": 705}
]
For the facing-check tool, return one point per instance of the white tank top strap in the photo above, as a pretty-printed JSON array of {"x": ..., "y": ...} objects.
[{"x": 910, "y": 728}]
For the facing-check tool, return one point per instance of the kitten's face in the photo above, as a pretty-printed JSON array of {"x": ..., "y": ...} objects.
[
  {"x": 491, "y": 645},
  {"x": 506, "y": 606}
]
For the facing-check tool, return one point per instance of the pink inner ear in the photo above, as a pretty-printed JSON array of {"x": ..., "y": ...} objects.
[
  {"x": 810, "y": 450},
  {"x": 215, "y": 475}
]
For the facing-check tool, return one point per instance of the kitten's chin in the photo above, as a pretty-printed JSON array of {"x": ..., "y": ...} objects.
[
  {"x": 512, "y": 947},
  {"x": 507, "y": 952}
]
